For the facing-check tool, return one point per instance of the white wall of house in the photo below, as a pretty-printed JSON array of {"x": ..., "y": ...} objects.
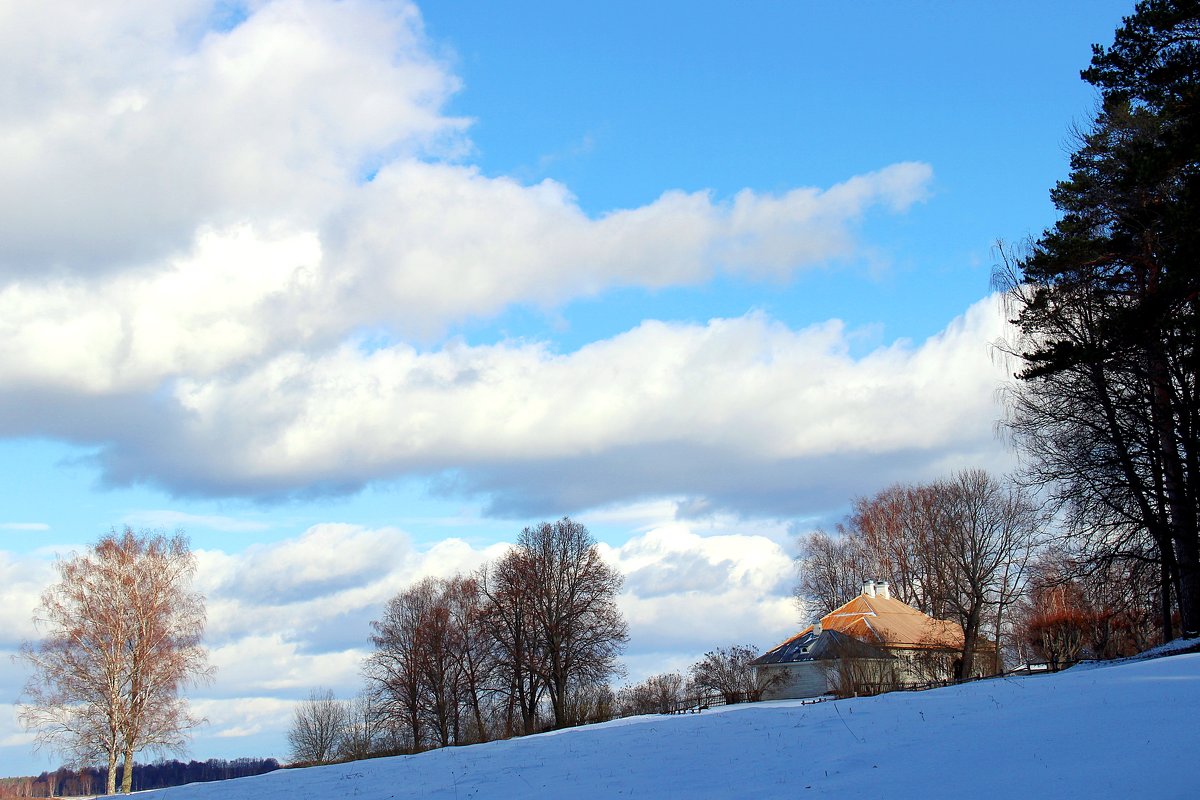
[{"x": 807, "y": 679}]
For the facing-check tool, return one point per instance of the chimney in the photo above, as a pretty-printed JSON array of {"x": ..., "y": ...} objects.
[
  {"x": 816, "y": 628},
  {"x": 881, "y": 590},
  {"x": 869, "y": 588}
]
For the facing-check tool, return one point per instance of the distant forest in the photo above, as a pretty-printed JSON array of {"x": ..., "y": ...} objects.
[{"x": 65, "y": 782}]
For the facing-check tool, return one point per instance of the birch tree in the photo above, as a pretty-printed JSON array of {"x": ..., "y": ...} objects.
[{"x": 122, "y": 638}]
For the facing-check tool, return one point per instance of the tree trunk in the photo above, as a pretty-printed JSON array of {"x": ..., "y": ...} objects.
[
  {"x": 1165, "y": 600},
  {"x": 1189, "y": 587},
  {"x": 559, "y": 702},
  {"x": 127, "y": 774},
  {"x": 1182, "y": 511},
  {"x": 110, "y": 783},
  {"x": 970, "y": 638}
]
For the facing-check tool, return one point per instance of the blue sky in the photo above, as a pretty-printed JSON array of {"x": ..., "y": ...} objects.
[{"x": 364, "y": 281}]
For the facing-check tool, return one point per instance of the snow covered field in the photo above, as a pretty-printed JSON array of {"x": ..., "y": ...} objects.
[{"x": 1126, "y": 730}]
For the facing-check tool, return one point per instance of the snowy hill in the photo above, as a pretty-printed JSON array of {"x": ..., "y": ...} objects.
[{"x": 1105, "y": 731}]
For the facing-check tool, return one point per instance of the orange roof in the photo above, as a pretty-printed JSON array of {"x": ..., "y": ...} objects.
[{"x": 887, "y": 622}]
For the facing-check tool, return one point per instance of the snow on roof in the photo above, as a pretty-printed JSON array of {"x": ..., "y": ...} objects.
[
  {"x": 824, "y": 646},
  {"x": 887, "y": 622}
]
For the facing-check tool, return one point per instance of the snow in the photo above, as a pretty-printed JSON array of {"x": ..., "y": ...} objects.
[{"x": 1116, "y": 730}]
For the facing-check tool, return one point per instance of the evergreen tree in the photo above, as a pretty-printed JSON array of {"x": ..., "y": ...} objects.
[{"x": 1107, "y": 304}]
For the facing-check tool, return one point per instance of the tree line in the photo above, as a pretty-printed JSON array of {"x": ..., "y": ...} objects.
[
  {"x": 722, "y": 671},
  {"x": 527, "y": 642},
  {"x": 325, "y": 729},
  {"x": 66, "y": 782},
  {"x": 1105, "y": 403}
]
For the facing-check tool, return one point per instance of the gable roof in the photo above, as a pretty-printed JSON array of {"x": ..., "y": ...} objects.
[{"x": 825, "y": 646}]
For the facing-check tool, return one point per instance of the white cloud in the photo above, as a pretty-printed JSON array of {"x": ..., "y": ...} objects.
[
  {"x": 180, "y": 201},
  {"x": 244, "y": 716},
  {"x": 736, "y": 410},
  {"x": 743, "y": 411},
  {"x": 419, "y": 250},
  {"x": 719, "y": 408},
  {"x": 687, "y": 593},
  {"x": 202, "y": 219},
  {"x": 128, "y": 126},
  {"x": 24, "y": 526},
  {"x": 11, "y": 734},
  {"x": 422, "y": 245},
  {"x": 22, "y": 580},
  {"x": 271, "y": 663}
]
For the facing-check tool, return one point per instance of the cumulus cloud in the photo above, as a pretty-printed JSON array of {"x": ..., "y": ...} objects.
[
  {"x": 244, "y": 716},
  {"x": 419, "y": 251},
  {"x": 202, "y": 213},
  {"x": 22, "y": 580},
  {"x": 426, "y": 238},
  {"x": 317, "y": 593},
  {"x": 745, "y": 412},
  {"x": 186, "y": 195},
  {"x": 13, "y": 736},
  {"x": 687, "y": 593},
  {"x": 735, "y": 408},
  {"x": 128, "y": 126}
]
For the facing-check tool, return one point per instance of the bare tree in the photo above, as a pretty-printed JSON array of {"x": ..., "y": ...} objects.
[
  {"x": 508, "y": 618},
  {"x": 475, "y": 652},
  {"x": 1072, "y": 608},
  {"x": 122, "y": 638},
  {"x": 727, "y": 670},
  {"x": 593, "y": 702},
  {"x": 897, "y": 532},
  {"x": 432, "y": 659},
  {"x": 658, "y": 694},
  {"x": 363, "y": 728},
  {"x": 438, "y": 656},
  {"x": 395, "y": 668},
  {"x": 831, "y": 570},
  {"x": 955, "y": 548},
  {"x": 318, "y": 728},
  {"x": 453, "y": 655},
  {"x": 985, "y": 537},
  {"x": 164, "y": 651},
  {"x": 573, "y": 595}
]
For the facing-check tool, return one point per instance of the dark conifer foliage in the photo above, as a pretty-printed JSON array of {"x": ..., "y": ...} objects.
[
  {"x": 65, "y": 782},
  {"x": 1106, "y": 406}
]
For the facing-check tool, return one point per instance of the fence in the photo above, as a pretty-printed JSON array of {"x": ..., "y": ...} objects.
[
  {"x": 697, "y": 703},
  {"x": 694, "y": 704}
]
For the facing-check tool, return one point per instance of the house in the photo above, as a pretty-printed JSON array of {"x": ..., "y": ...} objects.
[{"x": 871, "y": 644}]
